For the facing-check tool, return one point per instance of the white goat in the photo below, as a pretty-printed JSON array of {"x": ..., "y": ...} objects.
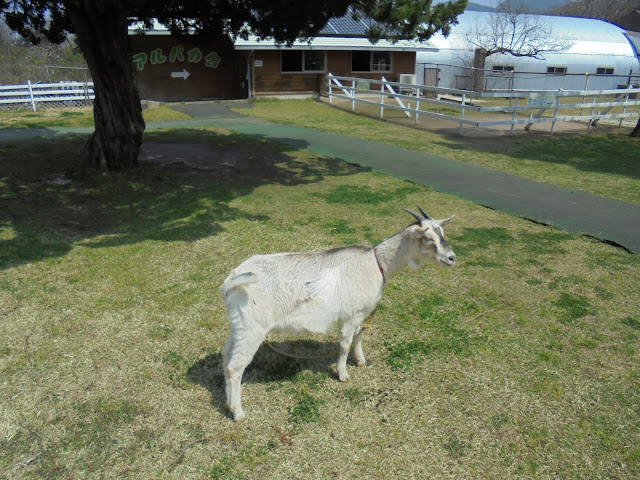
[{"x": 311, "y": 291}]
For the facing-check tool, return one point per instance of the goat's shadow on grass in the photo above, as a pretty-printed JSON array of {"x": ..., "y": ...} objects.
[{"x": 267, "y": 367}]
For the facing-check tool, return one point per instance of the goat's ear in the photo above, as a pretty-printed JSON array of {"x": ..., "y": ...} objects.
[
  {"x": 416, "y": 231},
  {"x": 444, "y": 222}
]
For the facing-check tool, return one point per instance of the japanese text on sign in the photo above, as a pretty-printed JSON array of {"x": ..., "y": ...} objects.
[{"x": 176, "y": 54}]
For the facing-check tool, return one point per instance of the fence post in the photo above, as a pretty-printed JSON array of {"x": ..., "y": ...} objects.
[
  {"x": 33, "y": 102},
  {"x": 462, "y": 114},
  {"x": 354, "y": 86},
  {"x": 418, "y": 93},
  {"x": 513, "y": 118},
  {"x": 624, "y": 109},
  {"x": 381, "y": 99},
  {"x": 330, "y": 91},
  {"x": 591, "y": 113},
  {"x": 555, "y": 110}
]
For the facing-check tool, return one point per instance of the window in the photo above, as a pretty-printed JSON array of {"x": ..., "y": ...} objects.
[
  {"x": 604, "y": 71},
  {"x": 502, "y": 68},
  {"x": 365, "y": 61},
  {"x": 556, "y": 69},
  {"x": 303, "y": 61}
]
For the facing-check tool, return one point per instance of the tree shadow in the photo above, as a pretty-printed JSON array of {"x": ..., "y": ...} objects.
[
  {"x": 182, "y": 192},
  {"x": 267, "y": 366}
]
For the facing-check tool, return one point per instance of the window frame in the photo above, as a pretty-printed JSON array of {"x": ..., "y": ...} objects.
[
  {"x": 303, "y": 53},
  {"x": 371, "y": 53},
  {"x": 605, "y": 70},
  {"x": 502, "y": 68},
  {"x": 553, "y": 70}
]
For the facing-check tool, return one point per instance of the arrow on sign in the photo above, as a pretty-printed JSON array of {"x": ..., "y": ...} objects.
[{"x": 183, "y": 74}]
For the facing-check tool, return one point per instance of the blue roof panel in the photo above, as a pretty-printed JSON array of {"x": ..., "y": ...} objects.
[{"x": 346, "y": 26}]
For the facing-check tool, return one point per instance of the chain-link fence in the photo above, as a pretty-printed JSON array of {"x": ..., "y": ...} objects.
[
  {"x": 16, "y": 73},
  {"x": 467, "y": 78}
]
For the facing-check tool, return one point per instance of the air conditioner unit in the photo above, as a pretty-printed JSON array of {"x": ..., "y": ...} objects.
[{"x": 407, "y": 78}]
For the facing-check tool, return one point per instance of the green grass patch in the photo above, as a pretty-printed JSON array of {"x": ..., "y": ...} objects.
[
  {"x": 306, "y": 409},
  {"x": 441, "y": 330},
  {"x": 631, "y": 322},
  {"x": 573, "y": 307},
  {"x": 363, "y": 194},
  {"x": 77, "y": 117}
]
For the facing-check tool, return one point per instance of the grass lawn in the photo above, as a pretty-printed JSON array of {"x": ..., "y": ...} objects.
[
  {"x": 75, "y": 117},
  {"x": 521, "y": 362},
  {"x": 600, "y": 163}
]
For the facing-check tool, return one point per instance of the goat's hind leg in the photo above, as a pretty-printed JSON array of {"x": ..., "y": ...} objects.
[
  {"x": 237, "y": 358},
  {"x": 226, "y": 356},
  {"x": 357, "y": 347},
  {"x": 347, "y": 332}
]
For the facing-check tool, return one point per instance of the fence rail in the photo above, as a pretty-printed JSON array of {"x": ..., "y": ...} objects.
[
  {"x": 425, "y": 97},
  {"x": 31, "y": 94}
]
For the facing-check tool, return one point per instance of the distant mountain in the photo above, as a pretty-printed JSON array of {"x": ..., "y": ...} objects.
[
  {"x": 476, "y": 7},
  {"x": 530, "y": 6},
  {"x": 535, "y": 6}
]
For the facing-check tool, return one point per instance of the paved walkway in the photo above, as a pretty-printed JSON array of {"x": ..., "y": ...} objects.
[{"x": 575, "y": 211}]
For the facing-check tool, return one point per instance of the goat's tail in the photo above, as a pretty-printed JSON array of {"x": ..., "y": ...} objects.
[{"x": 237, "y": 280}]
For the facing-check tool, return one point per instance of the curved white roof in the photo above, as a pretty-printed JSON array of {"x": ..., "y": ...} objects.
[{"x": 582, "y": 35}]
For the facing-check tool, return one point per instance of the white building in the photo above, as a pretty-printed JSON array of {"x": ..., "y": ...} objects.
[{"x": 605, "y": 52}]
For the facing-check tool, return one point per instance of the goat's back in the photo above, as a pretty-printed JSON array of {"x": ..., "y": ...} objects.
[{"x": 305, "y": 290}]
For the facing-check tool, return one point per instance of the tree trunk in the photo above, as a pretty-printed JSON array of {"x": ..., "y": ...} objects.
[
  {"x": 479, "y": 59},
  {"x": 636, "y": 131},
  {"x": 101, "y": 31}
]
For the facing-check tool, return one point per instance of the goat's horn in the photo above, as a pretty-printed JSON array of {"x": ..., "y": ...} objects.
[
  {"x": 427, "y": 217},
  {"x": 411, "y": 212}
]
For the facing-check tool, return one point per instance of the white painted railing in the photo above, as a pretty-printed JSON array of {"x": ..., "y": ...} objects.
[
  {"x": 347, "y": 88},
  {"x": 30, "y": 94}
]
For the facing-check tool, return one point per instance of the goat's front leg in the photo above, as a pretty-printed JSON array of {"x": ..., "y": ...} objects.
[{"x": 347, "y": 332}]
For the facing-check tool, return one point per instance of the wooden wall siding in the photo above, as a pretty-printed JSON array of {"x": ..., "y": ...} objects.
[
  {"x": 268, "y": 80},
  {"x": 153, "y": 64}
]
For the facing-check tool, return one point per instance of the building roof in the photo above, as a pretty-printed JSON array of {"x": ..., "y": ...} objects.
[
  {"x": 346, "y": 26},
  {"x": 582, "y": 35},
  {"x": 340, "y": 33},
  {"x": 335, "y": 43}
]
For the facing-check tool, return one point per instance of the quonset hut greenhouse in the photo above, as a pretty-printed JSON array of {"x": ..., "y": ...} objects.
[{"x": 595, "y": 55}]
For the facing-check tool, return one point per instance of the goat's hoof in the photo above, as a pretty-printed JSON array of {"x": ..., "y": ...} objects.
[
  {"x": 343, "y": 377},
  {"x": 239, "y": 416},
  {"x": 361, "y": 363}
]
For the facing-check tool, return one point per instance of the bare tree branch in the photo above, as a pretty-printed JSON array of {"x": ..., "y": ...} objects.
[{"x": 514, "y": 33}]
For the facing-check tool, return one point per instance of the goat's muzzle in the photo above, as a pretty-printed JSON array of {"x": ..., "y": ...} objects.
[{"x": 449, "y": 261}]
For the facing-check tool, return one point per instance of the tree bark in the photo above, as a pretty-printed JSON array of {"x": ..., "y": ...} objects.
[
  {"x": 479, "y": 59},
  {"x": 101, "y": 31}
]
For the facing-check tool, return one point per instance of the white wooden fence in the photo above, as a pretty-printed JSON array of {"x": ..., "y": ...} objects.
[
  {"x": 58, "y": 94},
  {"x": 594, "y": 105}
]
